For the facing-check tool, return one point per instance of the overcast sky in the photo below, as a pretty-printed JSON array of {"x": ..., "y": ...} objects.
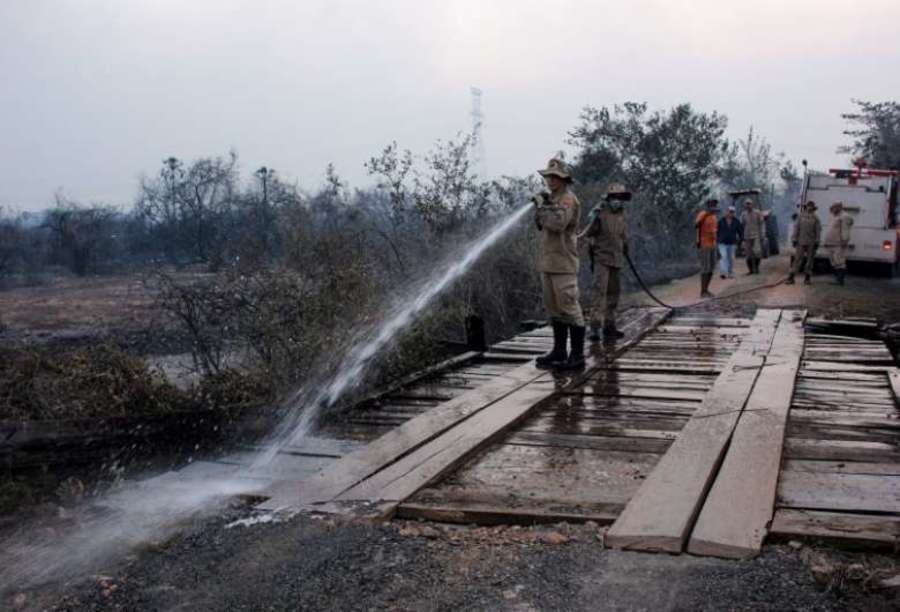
[{"x": 96, "y": 92}]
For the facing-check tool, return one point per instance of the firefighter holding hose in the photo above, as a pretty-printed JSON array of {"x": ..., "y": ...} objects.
[
  {"x": 607, "y": 233},
  {"x": 556, "y": 216}
]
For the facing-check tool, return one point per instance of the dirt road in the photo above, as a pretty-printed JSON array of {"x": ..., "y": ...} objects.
[{"x": 862, "y": 296}]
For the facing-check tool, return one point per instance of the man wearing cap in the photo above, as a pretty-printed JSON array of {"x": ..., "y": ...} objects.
[
  {"x": 805, "y": 239},
  {"x": 707, "y": 224},
  {"x": 607, "y": 234},
  {"x": 556, "y": 215},
  {"x": 837, "y": 240},
  {"x": 754, "y": 227},
  {"x": 729, "y": 235}
]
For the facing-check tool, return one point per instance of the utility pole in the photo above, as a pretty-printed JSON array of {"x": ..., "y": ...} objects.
[{"x": 478, "y": 134}]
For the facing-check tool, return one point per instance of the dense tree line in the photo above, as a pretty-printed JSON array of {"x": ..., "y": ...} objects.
[{"x": 261, "y": 272}]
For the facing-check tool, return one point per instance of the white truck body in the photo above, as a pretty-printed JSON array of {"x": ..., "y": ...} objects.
[{"x": 870, "y": 198}]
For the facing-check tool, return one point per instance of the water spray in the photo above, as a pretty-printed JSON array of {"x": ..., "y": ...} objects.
[{"x": 306, "y": 406}]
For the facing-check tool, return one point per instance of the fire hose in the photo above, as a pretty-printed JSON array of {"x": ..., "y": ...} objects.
[{"x": 646, "y": 289}]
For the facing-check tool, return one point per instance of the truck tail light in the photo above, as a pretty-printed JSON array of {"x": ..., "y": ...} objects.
[{"x": 887, "y": 245}]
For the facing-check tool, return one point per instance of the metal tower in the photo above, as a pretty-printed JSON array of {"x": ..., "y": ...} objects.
[{"x": 480, "y": 160}]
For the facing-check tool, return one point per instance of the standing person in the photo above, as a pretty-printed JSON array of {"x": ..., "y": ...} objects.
[
  {"x": 753, "y": 225},
  {"x": 707, "y": 224},
  {"x": 837, "y": 240},
  {"x": 556, "y": 215},
  {"x": 607, "y": 234},
  {"x": 730, "y": 234},
  {"x": 805, "y": 238}
]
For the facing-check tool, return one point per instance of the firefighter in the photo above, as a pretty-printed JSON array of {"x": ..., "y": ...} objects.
[
  {"x": 607, "y": 234},
  {"x": 754, "y": 227},
  {"x": 837, "y": 240},
  {"x": 707, "y": 224},
  {"x": 805, "y": 238},
  {"x": 556, "y": 216}
]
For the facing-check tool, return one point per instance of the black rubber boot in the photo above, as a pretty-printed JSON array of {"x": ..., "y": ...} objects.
[
  {"x": 560, "y": 336},
  {"x": 756, "y": 266},
  {"x": 790, "y": 279},
  {"x": 576, "y": 356},
  {"x": 807, "y": 280},
  {"x": 611, "y": 332},
  {"x": 705, "y": 280},
  {"x": 595, "y": 333},
  {"x": 749, "y": 266}
]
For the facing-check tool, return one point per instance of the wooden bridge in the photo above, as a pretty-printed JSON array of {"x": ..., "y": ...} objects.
[{"x": 695, "y": 433}]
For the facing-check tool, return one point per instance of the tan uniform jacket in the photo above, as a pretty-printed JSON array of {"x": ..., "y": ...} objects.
[
  {"x": 839, "y": 231},
  {"x": 558, "y": 221},
  {"x": 754, "y": 225},
  {"x": 608, "y": 235},
  {"x": 807, "y": 229}
]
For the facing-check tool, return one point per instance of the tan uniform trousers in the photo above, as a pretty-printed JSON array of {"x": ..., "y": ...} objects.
[
  {"x": 561, "y": 298},
  {"x": 838, "y": 256},
  {"x": 605, "y": 292},
  {"x": 804, "y": 256}
]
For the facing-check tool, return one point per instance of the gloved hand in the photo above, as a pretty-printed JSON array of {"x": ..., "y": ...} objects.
[
  {"x": 541, "y": 198},
  {"x": 794, "y": 243},
  {"x": 815, "y": 247}
]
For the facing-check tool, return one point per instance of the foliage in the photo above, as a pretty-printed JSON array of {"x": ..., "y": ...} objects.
[
  {"x": 670, "y": 160},
  {"x": 876, "y": 135},
  {"x": 97, "y": 381}
]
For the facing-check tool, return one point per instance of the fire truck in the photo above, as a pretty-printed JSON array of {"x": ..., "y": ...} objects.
[{"x": 870, "y": 198}]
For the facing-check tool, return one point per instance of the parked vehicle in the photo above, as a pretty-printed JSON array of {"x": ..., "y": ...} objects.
[{"x": 870, "y": 198}]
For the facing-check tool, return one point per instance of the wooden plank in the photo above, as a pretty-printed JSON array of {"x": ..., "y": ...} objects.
[
  {"x": 407, "y": 458},
  {"x": 358, "y": 465},
  {"x": 841, "y": 492},
  {"x": 662, "y": 512},
  {"x": 843, "y": 528},
  {"x": 842, "y": 467},
  {"x": 747, "y": 480},
  {"x": 610, "y": 443},
  {"x": 481, "y": 514},
  {"x": 401, "y": 479},
  {"x": 894, "y": 380},
  {"x": 841, "y": 450}
]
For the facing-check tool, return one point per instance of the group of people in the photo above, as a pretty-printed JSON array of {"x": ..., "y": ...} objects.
[
  {"x": 718, "y": 239},
  {"x": 807, "y": 234},
  {"x": 557, "y": 216}
]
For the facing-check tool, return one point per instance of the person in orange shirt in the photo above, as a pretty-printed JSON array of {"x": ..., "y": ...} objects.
[{"x": 707, "y": 225}]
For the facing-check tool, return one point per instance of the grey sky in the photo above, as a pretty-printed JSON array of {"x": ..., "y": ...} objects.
[{"x": 96, "y": 92}]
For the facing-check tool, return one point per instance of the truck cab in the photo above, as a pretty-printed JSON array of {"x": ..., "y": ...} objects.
[{"x": 870, "y": 198}]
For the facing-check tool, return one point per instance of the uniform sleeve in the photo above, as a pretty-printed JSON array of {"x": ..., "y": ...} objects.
[
  {"x": 846, "y": 224},
  {"x": 818, "y": 230},
  {"x": 795, "y": 231},
  {"x": 556, "y": 217}
]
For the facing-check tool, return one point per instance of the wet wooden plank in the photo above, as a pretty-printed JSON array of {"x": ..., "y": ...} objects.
[
  {"x": 842, "y": 528},
  {"x": 358, "y": 465},
  {"x": 606, "y": 443},
  {"x": 487, "y": 514},
  {"x": 746, "y": 483},
  {"x": 662, "y": 512},
  {"x": 842, "y": 467},
  {"x": 894, "y": 380},
  {"x": 839, "y": 492},
  {"x": 396, "y": 481},
  {"x": 841, "y": 450}
]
